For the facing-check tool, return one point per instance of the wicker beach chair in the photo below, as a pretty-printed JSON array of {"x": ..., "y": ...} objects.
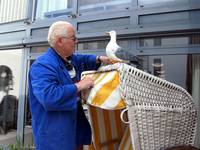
[{"x": 161, "y": 114}]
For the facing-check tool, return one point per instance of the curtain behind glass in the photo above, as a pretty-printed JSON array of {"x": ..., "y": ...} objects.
[
  {"x": 44, "y": 6},
  {"x": 12, "y": 10}
]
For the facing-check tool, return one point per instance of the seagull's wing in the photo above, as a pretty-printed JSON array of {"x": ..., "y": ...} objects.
[
  {"x": 129, "y": 57},
  {"x": 126, "y": 55}
]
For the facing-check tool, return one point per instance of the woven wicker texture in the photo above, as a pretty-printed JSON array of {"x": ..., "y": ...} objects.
[{"x": 161, "y": 114}]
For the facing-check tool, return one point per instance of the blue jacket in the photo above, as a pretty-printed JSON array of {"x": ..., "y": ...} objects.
[{"x": 53, "y": 102}]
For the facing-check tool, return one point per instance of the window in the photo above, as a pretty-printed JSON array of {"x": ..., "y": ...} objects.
[
  {"x": 96, "y": 45},
  {"x": 170, "y": 67},
  {"x": 145, "y": 42},
  {"x": 10, "y": 68},
  {"x": 39, "y": 49},
  {"x": 169, "y": 18},
  {"x": 99, "y": 5},
  {"x": 101, "y": 45},
  {"x": 53, "y": 8},
  {"x": 147, "y": 2},
  {"x": 164, "y": 18},
  {"x": 104, "y": 25},
  {"x": 172, "y": 41},
  {"x": 195, "y": 39},
  {"x": 167, "y": 41}
]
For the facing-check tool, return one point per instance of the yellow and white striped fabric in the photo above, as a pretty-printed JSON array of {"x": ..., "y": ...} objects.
[
  {"x": 106, "y": 90},
  {"x": 126, "y": 143},
  {"x": 104, "y": 109},
  {"x": 107, "y": 128},
  {"x": 108, "y": 131}
]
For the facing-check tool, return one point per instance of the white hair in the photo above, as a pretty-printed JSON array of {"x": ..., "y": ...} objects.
[{"x": 57, "y": 29}]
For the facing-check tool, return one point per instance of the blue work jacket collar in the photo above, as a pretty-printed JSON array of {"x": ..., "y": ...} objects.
[{"x": 52, "y": 51}]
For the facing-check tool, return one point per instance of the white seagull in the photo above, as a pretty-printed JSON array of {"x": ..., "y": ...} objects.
[{"x": 117, "y": 53}]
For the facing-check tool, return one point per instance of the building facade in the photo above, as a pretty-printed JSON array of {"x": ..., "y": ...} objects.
[{"x": 165, "y": 34}]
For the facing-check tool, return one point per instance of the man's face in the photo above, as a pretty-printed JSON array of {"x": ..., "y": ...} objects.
[{"x": 68, "y": 43}]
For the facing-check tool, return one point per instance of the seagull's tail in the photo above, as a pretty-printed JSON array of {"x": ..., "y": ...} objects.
[{"x": 125, "y": 61}]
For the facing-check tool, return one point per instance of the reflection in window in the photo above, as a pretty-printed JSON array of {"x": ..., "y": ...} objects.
[
  {"x": 175, "y": 41},
  {"x": 39, "y": 49},
  {"x": 195, "y": 39},
  {"x": 92, "y": 45},
  {"x": 146, "y": 2},
  {"x": 52, "y": 8},
  {"x": 99, "y": 5},
  {"x": 164, "y": 18},
  {"x": 157, "y": 41},
  {"x": 158, "y": 68},
  {"x": 165, "y": 41},
  {"x": 101, "y": 45},
  {"x": 170, "y": 67},
  {"x": 146, "y": 42},
  {"x": 10, "y": 68}
]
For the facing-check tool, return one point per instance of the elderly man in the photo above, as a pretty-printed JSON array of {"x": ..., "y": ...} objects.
[{"x": 58, "y": 120}]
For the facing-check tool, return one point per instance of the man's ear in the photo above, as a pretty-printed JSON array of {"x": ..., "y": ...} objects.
[{"x": 59, "y": 41}]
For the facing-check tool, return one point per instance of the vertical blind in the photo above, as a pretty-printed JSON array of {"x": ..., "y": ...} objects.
[{"x": 12, "y": 10}]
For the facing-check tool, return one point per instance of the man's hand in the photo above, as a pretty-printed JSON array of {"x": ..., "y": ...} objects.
[
  {"x": 85, "y": 83},
  {"x": 105, "y": 60}
]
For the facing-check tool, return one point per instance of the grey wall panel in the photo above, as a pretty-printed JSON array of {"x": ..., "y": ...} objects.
[
  {"x": 12, "y": 27},
  {"x": 12, "y": 36},
  {"x": 12, "y": 39},
  {"x": 34, "y": 41}
]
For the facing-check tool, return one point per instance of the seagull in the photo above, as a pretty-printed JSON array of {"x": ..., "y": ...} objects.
[{"x": 117, "y": 53}]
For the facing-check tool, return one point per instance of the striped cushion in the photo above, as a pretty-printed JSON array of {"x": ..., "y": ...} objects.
[{"x": 106, "y": 90}]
